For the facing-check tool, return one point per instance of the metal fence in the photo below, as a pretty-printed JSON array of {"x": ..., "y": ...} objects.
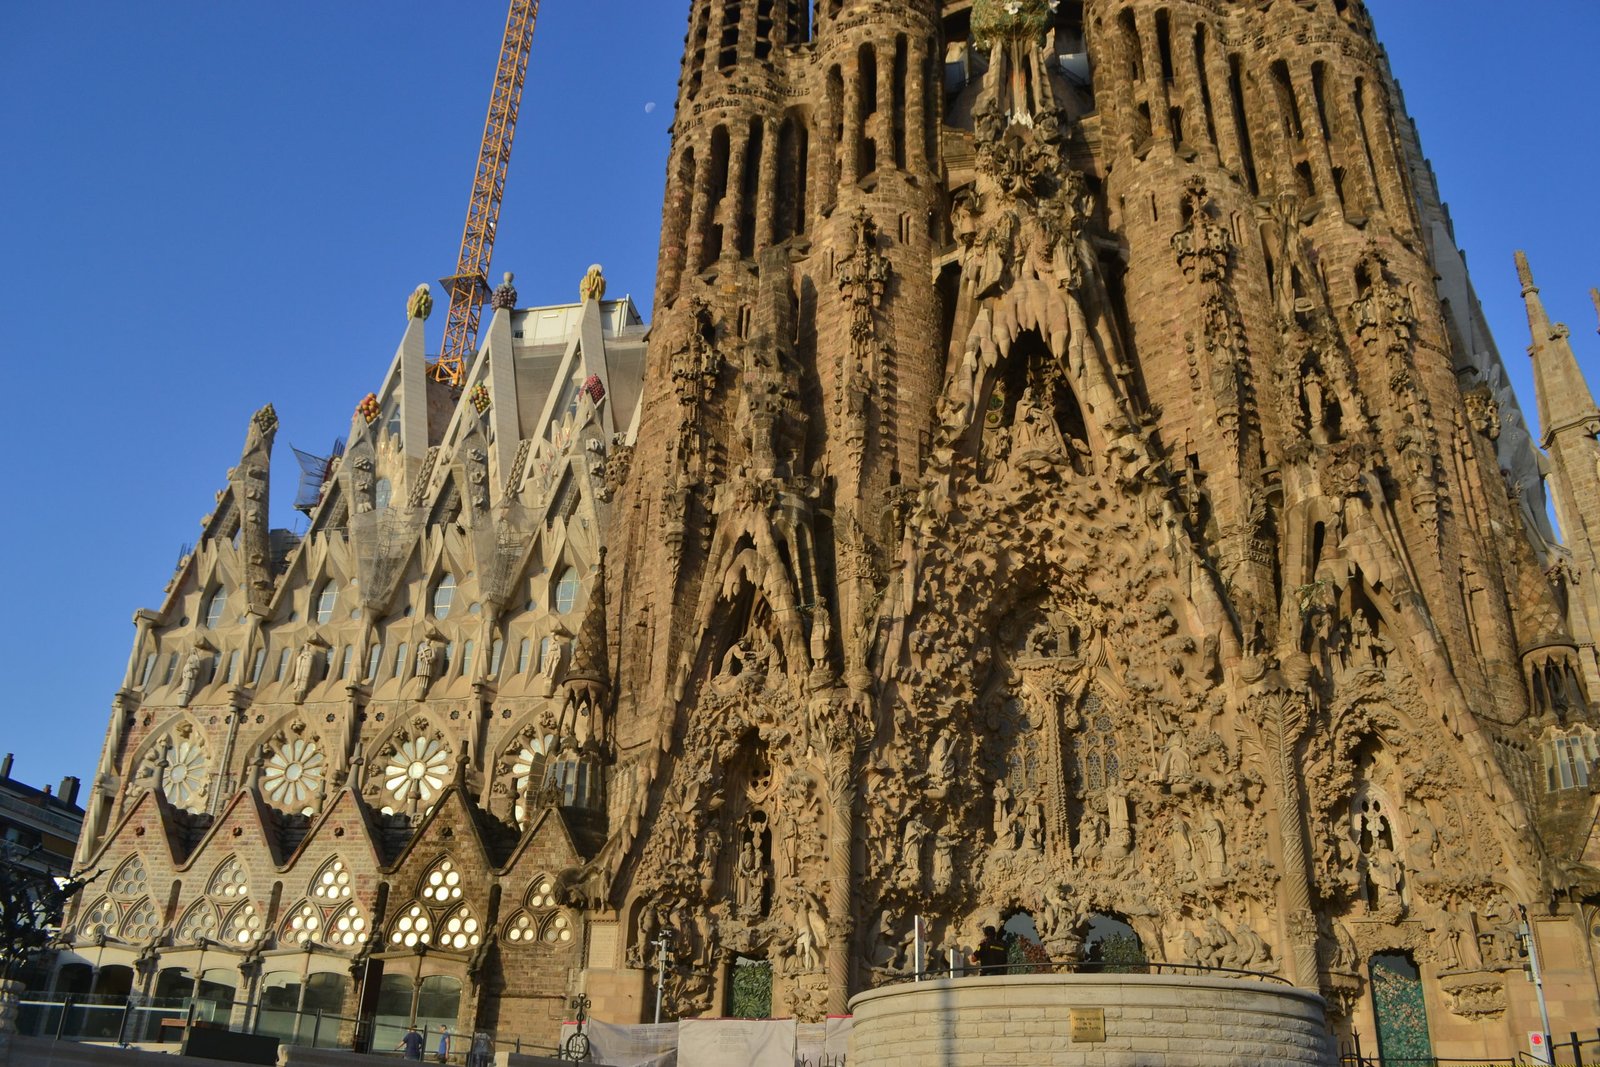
[{"x": 143, "y": 1021}]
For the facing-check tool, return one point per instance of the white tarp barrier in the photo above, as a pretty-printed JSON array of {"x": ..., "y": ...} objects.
[
  {"x": 737, "y": 1042},
  {"x": 823, "y": 1044},
  {"x": 642, "y": 1045},
  {"x": 719, "y": 1043}
]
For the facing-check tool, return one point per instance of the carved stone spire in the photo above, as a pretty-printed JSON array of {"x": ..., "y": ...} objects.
[
  {"x": 590, "y": 662},
  {"x": 1565, "y": 402}
]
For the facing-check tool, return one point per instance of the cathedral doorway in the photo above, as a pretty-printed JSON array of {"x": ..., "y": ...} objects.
[{"x": 1400, "y": 1010}]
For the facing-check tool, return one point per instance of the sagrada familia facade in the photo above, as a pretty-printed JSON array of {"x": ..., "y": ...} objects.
[{"x": 1068, "y": 474}]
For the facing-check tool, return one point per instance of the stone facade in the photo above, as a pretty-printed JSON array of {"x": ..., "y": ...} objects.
[
  {"x": 1058, "y": 484},
  {"x": 354, "y": 772}
]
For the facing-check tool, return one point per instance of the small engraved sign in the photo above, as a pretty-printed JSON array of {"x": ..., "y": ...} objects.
[{"x": 1088, "y": 1025}]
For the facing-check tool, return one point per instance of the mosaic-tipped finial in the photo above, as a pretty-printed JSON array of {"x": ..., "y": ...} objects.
[
  {"x": 419, "y": 305},
  {"x": 594, "y": 285}
]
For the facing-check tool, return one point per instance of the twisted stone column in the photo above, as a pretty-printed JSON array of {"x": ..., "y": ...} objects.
[{"x": 841, "y": 845}]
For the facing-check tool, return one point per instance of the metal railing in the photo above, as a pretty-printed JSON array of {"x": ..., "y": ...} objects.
[
  {"x": 1031, "y": 967},
  {"x": 124, "y": 1020}
]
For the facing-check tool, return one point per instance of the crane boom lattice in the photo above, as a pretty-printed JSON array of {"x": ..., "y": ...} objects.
[{"x": 469, "y": 285}]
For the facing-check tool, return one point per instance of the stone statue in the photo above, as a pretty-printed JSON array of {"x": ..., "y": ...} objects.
[
  {"x": 1173, "y": 765},
  {"x": 1212, "y": 846},
  {"x": 1002, "y": 812},
  {"x": 193, "y": 664},
  {"x": 1119, "y": 833},
  {"x": 942, "y": 761},
  {"x": 821, "y": 633},
  {"x": 1383, "y": 871},
  {"x": 305, "y": 664},
  {"x": 426, "y": 654},
  {"x": 911, "y": 852},
  {"x": 1034, "y": 431},
  {"x": 1036, "y": 826},
  {"x": 944, "y": 859},
  {"x": 752, "y": 885}
]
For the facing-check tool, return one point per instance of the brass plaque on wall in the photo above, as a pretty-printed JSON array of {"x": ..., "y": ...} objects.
[{"x": 1088, "y": 1024}]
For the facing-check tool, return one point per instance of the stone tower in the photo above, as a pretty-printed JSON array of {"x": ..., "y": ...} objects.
[
  {"x": 1569, "y": 421},
  {"x": 1058, "y": 491}
]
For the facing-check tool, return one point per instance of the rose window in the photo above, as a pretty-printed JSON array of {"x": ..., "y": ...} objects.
[
  {"x": 348, "y": 928},
  {"x": 416, "y": 770},
  {"x": 333, "y": 883},
  {"x": 243, "y": 926},
  {"x": 100, "y": 919},
  {"x": 142, "y": 923},
  {"x": 414, "y": 928},
  {"x": 199, "y": 924},
  {"x": 443, "y": 884},
  {"x": 130, "y": 880},
  {"x": 460, "y": 930},
  {"x": 303, "y": 926},
  {"x": 185, "y": 777},
  {"x": 294, "y": 774},
  {"x": 230, "y": 882}
]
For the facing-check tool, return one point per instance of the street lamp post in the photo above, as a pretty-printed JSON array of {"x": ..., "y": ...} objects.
[{"x": 662, "y": 941}]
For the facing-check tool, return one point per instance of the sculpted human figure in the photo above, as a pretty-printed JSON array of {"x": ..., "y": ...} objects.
[
  {"x": 1036, "y": 826},
  {"x": 1173, "y": 765},
  {"x": 1034, "y": 430},
  {"x": 1002, "y": 811},
  {"x": 752, "y": 880},
  {"x": 1213, "y": 845},
  {"x": 944, "y": 859},
  {"x": 425, "y": 660},
  {"x": 911, "y": 851},
  {"x": 304, "y": 666},
  {"x": 192, "y": 665},
  {"x": 1384, "y": 872},
  {"x": 1119, "y": 833},
  {"x": 821, "y": 633},
  {"x": 942, "y": 761}
]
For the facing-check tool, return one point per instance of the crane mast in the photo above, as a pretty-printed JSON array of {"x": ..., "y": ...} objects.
[{"x": 469, "y": 285}]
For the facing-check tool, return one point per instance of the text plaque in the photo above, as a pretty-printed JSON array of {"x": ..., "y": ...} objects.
[{"x": 1088, "y": 1025}]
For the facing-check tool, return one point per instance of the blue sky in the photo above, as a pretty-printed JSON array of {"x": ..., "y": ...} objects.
[{"x": 209, "y": 206}]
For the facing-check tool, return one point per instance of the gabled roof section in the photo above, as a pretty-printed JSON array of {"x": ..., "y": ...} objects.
[{"x": 455, "y": 820}]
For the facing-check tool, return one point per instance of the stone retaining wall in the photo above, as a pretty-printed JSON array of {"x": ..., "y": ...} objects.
[{"x": 1150, "y": 1021}]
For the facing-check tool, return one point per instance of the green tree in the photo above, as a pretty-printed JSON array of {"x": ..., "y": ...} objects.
[{"x": 31, "y": 906}]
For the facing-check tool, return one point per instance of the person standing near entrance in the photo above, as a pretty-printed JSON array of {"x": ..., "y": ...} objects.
[
  {"x": 991, "y": 956},
  {"x": 444, "y": 1044},
  {"x": 411, "y": 1043}
]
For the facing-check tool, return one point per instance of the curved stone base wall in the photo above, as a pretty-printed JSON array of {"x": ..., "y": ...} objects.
[{"x": 1150, "y": 1021}]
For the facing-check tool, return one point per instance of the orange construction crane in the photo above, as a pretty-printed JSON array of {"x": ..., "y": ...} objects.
[{"x": 469, "y": 285}]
